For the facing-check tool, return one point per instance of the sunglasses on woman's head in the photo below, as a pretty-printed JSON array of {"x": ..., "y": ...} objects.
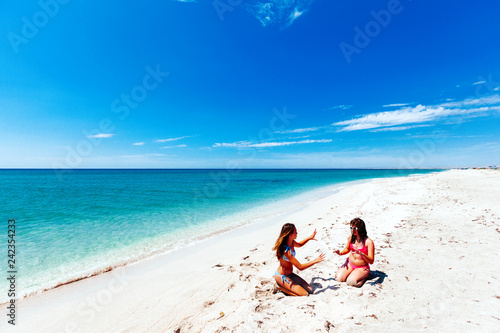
[{"x": 354, "y": 228}]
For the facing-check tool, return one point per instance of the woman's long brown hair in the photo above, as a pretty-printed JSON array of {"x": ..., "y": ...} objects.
[
  {"x": 286, "y": 230},
  {"x": 357, "y": 222}
]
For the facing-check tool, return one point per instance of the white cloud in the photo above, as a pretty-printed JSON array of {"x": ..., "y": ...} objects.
[
  {"x": 248, "y": 144},
  {"x": 299, "y": 130},
  {"x": 142, "y": 155},
  {"x": 472, "y": 107},
  {"x": 390, "y": 118},
  {"x": 298, "y": 137},
  {"x": 343, "y": 107},
  {"x": 482, "y": 101},
  {"x": 177, "y": 146},
  {"x": 295, "y": 15},
  {"x": 287, "y": 143},
  {"x": 101, "y": 135},
  {"x": 172, "y": 139},
  {"x": 395, "y": 104},
  {"x": 132, "y": 156},
  {"x": 397, "y": 128},
  {"x": 138, "y": 143},
  {"x": 478, "y": 82},
  {"x": 280, "y": 13},
  {"x": 237, "y": 144}
]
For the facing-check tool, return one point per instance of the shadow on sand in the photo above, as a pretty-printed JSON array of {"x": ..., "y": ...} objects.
[
  {"x": 316, "y": 286},
  {"x": 377, "y": 277}
]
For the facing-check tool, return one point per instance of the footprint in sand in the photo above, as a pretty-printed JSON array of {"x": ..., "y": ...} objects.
[
  {"x": 244, "y": 278},
  {"x": 329, "y": 326},
  {"x": 250, "y": 264},
  {"x": 265, "y": 290},
  {"x": 208, "y": 304}
]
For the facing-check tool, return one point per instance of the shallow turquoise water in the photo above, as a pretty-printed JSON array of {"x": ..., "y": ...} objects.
[{"x": 95, "y": 219}]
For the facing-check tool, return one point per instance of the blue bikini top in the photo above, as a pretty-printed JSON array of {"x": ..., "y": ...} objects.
[{"x": 287, "y": 248}]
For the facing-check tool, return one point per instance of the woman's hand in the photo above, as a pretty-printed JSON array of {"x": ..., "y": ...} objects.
[
  {"x": 304, "y": 242},
  {"x": 337, "y": 252},
  {"x": 313, "y": 235},
  {"x": 320, "y": 258},
  {"x": 358, "y": 252}
]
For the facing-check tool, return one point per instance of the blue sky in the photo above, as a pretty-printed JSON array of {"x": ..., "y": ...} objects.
[{"x": 249, "y": 84}]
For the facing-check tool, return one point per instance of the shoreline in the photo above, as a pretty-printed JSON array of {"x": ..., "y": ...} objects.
[
  {"x": 232, "y": 273},
  {"x": 216, "y": 230}
]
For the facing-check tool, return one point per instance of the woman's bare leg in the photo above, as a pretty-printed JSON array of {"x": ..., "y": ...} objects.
[
  {"x": 358, "y": 277},
  {"x": 290, "y": 287},
  {"x": 300, "y": 281},
  {"x": 343, "y": 272}
]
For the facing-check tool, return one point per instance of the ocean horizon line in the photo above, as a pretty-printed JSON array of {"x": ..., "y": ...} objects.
[{"x": 257, "y": 169}]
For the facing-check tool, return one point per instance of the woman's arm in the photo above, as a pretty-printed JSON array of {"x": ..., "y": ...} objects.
[
  {"x": 370, "y": 257},
  {"x": 346, "y": 250},
  {"x": 303, "y": 242},
  {"x": 300, "y": 266}
]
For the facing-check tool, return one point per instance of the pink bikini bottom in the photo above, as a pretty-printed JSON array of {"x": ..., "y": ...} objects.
[{"x": 354, "y": 266}]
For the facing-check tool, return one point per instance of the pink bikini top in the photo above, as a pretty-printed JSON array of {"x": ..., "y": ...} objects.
[{"x": 364, "y": 249}]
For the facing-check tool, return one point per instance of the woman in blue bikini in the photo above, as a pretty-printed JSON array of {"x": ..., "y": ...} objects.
[{"x": 287, "y": 281}]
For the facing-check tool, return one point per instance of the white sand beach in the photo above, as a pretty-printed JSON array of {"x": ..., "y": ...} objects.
[{"x": 437, "y": 265}]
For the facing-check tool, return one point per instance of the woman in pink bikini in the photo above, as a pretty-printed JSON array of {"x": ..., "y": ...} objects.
[{"x": 356, "y": 268}]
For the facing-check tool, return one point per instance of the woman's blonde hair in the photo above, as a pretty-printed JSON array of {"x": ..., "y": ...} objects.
[{"x": 286, "y": 230}]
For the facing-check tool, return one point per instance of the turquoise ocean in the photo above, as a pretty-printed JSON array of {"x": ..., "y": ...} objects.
[{"x": 90, "y": 221}]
